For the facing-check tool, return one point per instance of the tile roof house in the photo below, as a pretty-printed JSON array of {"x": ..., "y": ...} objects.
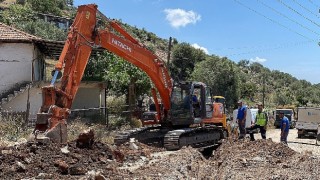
[
  {"x": 22, "y": 63},
  {"x": 10, "y": 34}
]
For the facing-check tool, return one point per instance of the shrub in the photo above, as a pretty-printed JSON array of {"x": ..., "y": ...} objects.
[{"x": 11, "y": 127}]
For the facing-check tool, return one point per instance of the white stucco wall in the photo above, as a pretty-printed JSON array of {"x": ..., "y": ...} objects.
[
  {"x": 19, "y": 103},
  {"x": 15, "y": 64},
  {"x": 87, "y": 97}
]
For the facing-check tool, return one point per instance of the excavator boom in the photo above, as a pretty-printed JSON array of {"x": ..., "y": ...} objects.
[
  {"x": 82, "y": 38},
  {"x": 185, "y": 105}
]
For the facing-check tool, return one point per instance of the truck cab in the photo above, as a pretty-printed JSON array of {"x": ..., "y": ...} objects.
[{"x": 308, "y": 123}]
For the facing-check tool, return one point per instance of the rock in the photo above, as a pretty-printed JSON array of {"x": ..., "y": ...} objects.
[
  {"x": 62, "y": 165},
  {"x": 77, "y": 170},
  {"x": 285, "y": 166},
  {"x": 44, "y": 176},
  {"x": 99, "y": 177},
  {"x": 85, "y": 139},
  {"x": 27, "y": 160},
  {"x": 22, "y": 141},
  {"x": 43, "y": 139},
  {"x": 20, "y": 167},
  {"x": 132, "y": 145},
  {"x": 95, "y": 175},
  {"x": 257, "y": 158},
  {"x": 65, "y": 150},
  {"x": 243, "y": 160},
  {"x": 6, "y": 151}
]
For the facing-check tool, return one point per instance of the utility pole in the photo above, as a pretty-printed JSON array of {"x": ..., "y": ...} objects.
[
  {"x": 263, "y": 88},
  {"x": 169, "y": 52}
]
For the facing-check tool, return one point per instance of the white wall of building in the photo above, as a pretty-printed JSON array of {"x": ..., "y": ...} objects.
[
  {"x": 88, "y": 96},
  {"x": 15, "y": 64},
  {"x": 19, "y": 103}
]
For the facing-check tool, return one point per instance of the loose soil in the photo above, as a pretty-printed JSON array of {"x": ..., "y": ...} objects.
[{"x": 260, "y": 159}]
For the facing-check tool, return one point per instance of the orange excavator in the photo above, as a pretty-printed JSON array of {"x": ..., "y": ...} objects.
[{"x": 176, "y": 121}]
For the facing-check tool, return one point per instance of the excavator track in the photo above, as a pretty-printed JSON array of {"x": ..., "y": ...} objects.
[
  {"x": 198, "y": 137},
  {"x": 195, "y": 137},
  {"x": 148, "y": 135}
]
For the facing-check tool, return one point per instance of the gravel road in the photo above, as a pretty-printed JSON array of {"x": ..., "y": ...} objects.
[{"x": 302, "y": 145}]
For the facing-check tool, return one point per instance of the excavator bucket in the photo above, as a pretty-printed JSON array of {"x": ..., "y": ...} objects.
[
  {"x": 58, "y": 134},
  {"x": 57, "y": 131}
]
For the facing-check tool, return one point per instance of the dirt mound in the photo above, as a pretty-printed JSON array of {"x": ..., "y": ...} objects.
[
  {"x": 261, "y": 159},
  {"x": 54, "y": 161},
  {"x": 186, "y": 163}
]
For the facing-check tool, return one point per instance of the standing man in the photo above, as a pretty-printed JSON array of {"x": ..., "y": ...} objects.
[
  {"x": 261, "y": 122},
  {"x": 241, "y": 119},
  {"x": 285, "y": 126}
]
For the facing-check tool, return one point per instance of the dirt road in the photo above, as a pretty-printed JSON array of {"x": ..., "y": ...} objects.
[{"x": 302, "y": 145}]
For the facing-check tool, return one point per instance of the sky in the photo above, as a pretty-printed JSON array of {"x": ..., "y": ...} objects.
[{"x": 280, "y": 34}]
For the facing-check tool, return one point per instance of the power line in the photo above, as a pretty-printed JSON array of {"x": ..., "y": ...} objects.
[
  {"x": 274, "y": 21},
  {"x": 263, "y": 46},
  {"x": 272, "y": 48},
  {"x": 314, "y": 4},
  {"x": 289, "y": 7},
  {"x": 305, "y": 8},
  {"x": 287, "y": 17}
]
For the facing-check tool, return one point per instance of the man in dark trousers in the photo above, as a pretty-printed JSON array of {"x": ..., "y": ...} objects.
[
  {"x": 284, "y": 126},
  {"x": 261, "y": 122},
  {"x": 241, "y": 119}
]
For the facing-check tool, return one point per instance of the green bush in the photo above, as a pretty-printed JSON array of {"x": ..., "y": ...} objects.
[
  {"x": 116, "y": 104},
  {"x": 135, "y": 123}
]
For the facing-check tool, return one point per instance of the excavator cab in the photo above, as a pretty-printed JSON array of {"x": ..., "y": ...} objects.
[{"x": 190, "y": 103}]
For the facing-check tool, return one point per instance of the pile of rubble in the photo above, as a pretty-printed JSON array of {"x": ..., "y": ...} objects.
[{"x": 261, "y": 159}]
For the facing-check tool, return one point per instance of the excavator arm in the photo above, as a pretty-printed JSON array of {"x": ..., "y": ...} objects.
[{"x": 82, "y": 38}]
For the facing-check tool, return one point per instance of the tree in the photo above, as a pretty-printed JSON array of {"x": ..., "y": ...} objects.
[
  {"x": 17, "y": 14},
  {"x": 118, "y": 73},
  {"x": 49, "y": 6},
  {"x": 184, "y": 57},
  {"x": 243, "y": 63},
  {"x": 221, "y": 75},
  {"x": 43, "y": 29},
  {"x": 23, "y": 18}
]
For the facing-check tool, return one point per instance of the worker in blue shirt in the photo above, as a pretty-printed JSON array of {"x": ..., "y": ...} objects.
[
  {"x": 284, "y": 126},
  {"x": 241, "y": 119}
]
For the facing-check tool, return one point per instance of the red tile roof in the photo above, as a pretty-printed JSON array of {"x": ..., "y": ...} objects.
[{"x": 8, "y": 33}]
